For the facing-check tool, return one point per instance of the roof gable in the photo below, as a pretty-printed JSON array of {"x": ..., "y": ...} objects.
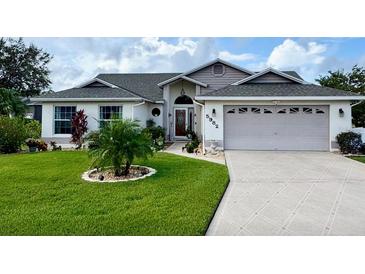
[
  {"x": 141, "y": 84},
  {"x": 189, "y": 72},
  {"x": 270, "y": 75},
  {"x": 95, "y": 82}
]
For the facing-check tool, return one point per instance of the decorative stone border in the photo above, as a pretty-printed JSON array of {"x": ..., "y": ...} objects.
[{"x": 85, "y": 176}]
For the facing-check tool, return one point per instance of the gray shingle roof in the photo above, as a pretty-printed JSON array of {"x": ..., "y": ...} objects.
[
  {"x": 142, "y": 84},
  {"x": 278, "y": 90},
  {"x": 90, "y": 92},
  {"x": 135, "y": 85}
]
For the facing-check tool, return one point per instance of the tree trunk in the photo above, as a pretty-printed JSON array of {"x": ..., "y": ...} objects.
[
  {"x": 126, "y": 168},
  {"x": 118, "y": 172}
]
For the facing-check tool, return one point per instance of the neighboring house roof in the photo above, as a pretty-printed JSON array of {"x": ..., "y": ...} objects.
[
  {"x": 142, "y": 84},
  {"x": 253, "y": 90},
  {"x": 292, "y": 73},
  {"x": 201, "y": 67},
  {"x": 89, "y": 92},
  {"x": 266, "y": 71}
]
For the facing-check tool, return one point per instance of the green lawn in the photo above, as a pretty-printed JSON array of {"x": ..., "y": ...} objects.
[
  {"x": 43, "y": 194},
  {"x": 358, "y": 158}
]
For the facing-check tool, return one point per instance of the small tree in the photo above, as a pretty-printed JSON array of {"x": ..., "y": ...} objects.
[
  {"x": 79, "y": 128},
  {"x": 118, "y": 143}
]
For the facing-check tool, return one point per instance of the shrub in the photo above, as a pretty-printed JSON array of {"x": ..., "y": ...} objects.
[
  {"x": 92, "y": 139},
  {"x": 194, "y": 143},
  {"x": 55, "y": 146},
  {"x": 12, "y": 134},
  {"x": 157, "y": 134},
  {"x": 39, "y": 144},
  {"x": 33, "y": 128},
  {"x": 31, "y": 142},
  {"x": 118, "y": 144},
  {"x": 349, "y": 142},
  {"x": 42, "y": 145},
  {"x": 79, "y": 128}
]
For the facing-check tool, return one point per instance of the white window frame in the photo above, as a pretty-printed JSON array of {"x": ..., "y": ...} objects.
[
  {"x": 108, "y": 120},
  {"x": 54, "y": 119}
]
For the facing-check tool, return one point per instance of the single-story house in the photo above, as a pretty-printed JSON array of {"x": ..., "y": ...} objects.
[{"x": 223, "y": 103}]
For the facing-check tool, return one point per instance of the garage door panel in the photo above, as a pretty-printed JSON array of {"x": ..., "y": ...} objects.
[{"x": 276, "y": 127}]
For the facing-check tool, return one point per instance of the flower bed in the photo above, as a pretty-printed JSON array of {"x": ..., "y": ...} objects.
[{"x": 107, "y": 176}]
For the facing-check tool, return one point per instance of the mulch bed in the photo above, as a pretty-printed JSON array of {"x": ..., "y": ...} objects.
[{"x": 108, "y": 175}]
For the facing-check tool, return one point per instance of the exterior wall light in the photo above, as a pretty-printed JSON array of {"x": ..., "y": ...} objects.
[
  {"x": 341, "y": 112},
  {"x": 213, "y": 112}
]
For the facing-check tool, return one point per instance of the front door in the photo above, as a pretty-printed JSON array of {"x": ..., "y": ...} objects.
[{"x": 180, "y": 122}]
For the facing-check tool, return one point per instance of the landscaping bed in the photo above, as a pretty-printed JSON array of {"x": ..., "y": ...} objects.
[
  {"x": 43, "y": 194},
  {"x": 108, "y": 176}
]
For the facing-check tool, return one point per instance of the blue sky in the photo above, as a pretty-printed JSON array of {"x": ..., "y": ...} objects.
[{"x": 79, "y": 59}]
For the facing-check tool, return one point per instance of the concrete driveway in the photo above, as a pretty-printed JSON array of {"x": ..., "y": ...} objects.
[{"x": 291, "y": 193}]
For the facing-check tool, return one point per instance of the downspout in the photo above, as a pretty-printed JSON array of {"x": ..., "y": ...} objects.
[
  {"x": 136, "y": 105},
  {"x": 203, "y": 131}
]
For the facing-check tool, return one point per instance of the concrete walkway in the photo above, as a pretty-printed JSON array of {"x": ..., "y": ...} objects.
[
  {"x": 176, "y": 148},
  {"x": 291, "y": 193}
]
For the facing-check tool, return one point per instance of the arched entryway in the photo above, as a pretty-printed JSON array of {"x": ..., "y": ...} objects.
[{"x": 183, "y": 115}]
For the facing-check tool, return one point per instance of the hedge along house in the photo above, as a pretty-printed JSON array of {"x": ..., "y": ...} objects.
[{"x": 224, "y": 103}]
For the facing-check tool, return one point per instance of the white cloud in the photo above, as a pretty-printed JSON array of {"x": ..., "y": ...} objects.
[
  {"x": 291, "y": 54},
  {"x": 79, "y": 59},
  {"x": 307, "y": 58},
  {"x": 226, "y": 55}
]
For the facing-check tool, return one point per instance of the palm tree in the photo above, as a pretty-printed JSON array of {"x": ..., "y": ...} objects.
[
  {"x": 10, "y": 103},
  {"x": 118, "y": 143}
]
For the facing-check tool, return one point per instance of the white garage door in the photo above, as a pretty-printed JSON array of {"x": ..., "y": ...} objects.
[{"x": 276, "y": 127}]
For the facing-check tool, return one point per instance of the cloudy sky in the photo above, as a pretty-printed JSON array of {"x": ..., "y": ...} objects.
[{"x": 78, "y": 59}]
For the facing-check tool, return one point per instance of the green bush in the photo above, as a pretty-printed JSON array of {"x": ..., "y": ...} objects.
[
  {"x": 12, "y": 134},
  {"x": 194, "y": 143},
  {"x": 33, "y": 129},
  {"x": 349, "y": 142},
  {"x": 157, "y": 134},
  {"x": 92, "y": 139}
]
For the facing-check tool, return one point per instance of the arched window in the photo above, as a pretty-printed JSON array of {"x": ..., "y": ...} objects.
[{"x": 183, "y": 100}]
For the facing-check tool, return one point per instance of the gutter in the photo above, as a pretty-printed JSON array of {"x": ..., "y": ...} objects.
[
  {"x": 203, "y": 134},
  {"x": 83, "y": 99},
  {"x": 355, "y": 104},
  {"x": 280, "y": 98}
]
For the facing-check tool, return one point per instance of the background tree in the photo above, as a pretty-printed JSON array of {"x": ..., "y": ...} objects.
[
  {"x": 23, "y": 68},
  {"x": 351, "y": 81},
  {"x": 79, "y": 128},
  {"x": 10, "y": 103}
]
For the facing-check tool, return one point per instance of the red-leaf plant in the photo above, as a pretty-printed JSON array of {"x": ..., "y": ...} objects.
[{"x": 79, "y": 128}]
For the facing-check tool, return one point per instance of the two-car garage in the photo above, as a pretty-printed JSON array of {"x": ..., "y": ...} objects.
[{"x": 277, "y": 127}]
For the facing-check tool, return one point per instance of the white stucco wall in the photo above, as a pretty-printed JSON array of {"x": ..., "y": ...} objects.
[
  {"x": 157, "y": 119},
  {"x": 337, "y": 124},
  {"x": 91, "y": 110}
]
